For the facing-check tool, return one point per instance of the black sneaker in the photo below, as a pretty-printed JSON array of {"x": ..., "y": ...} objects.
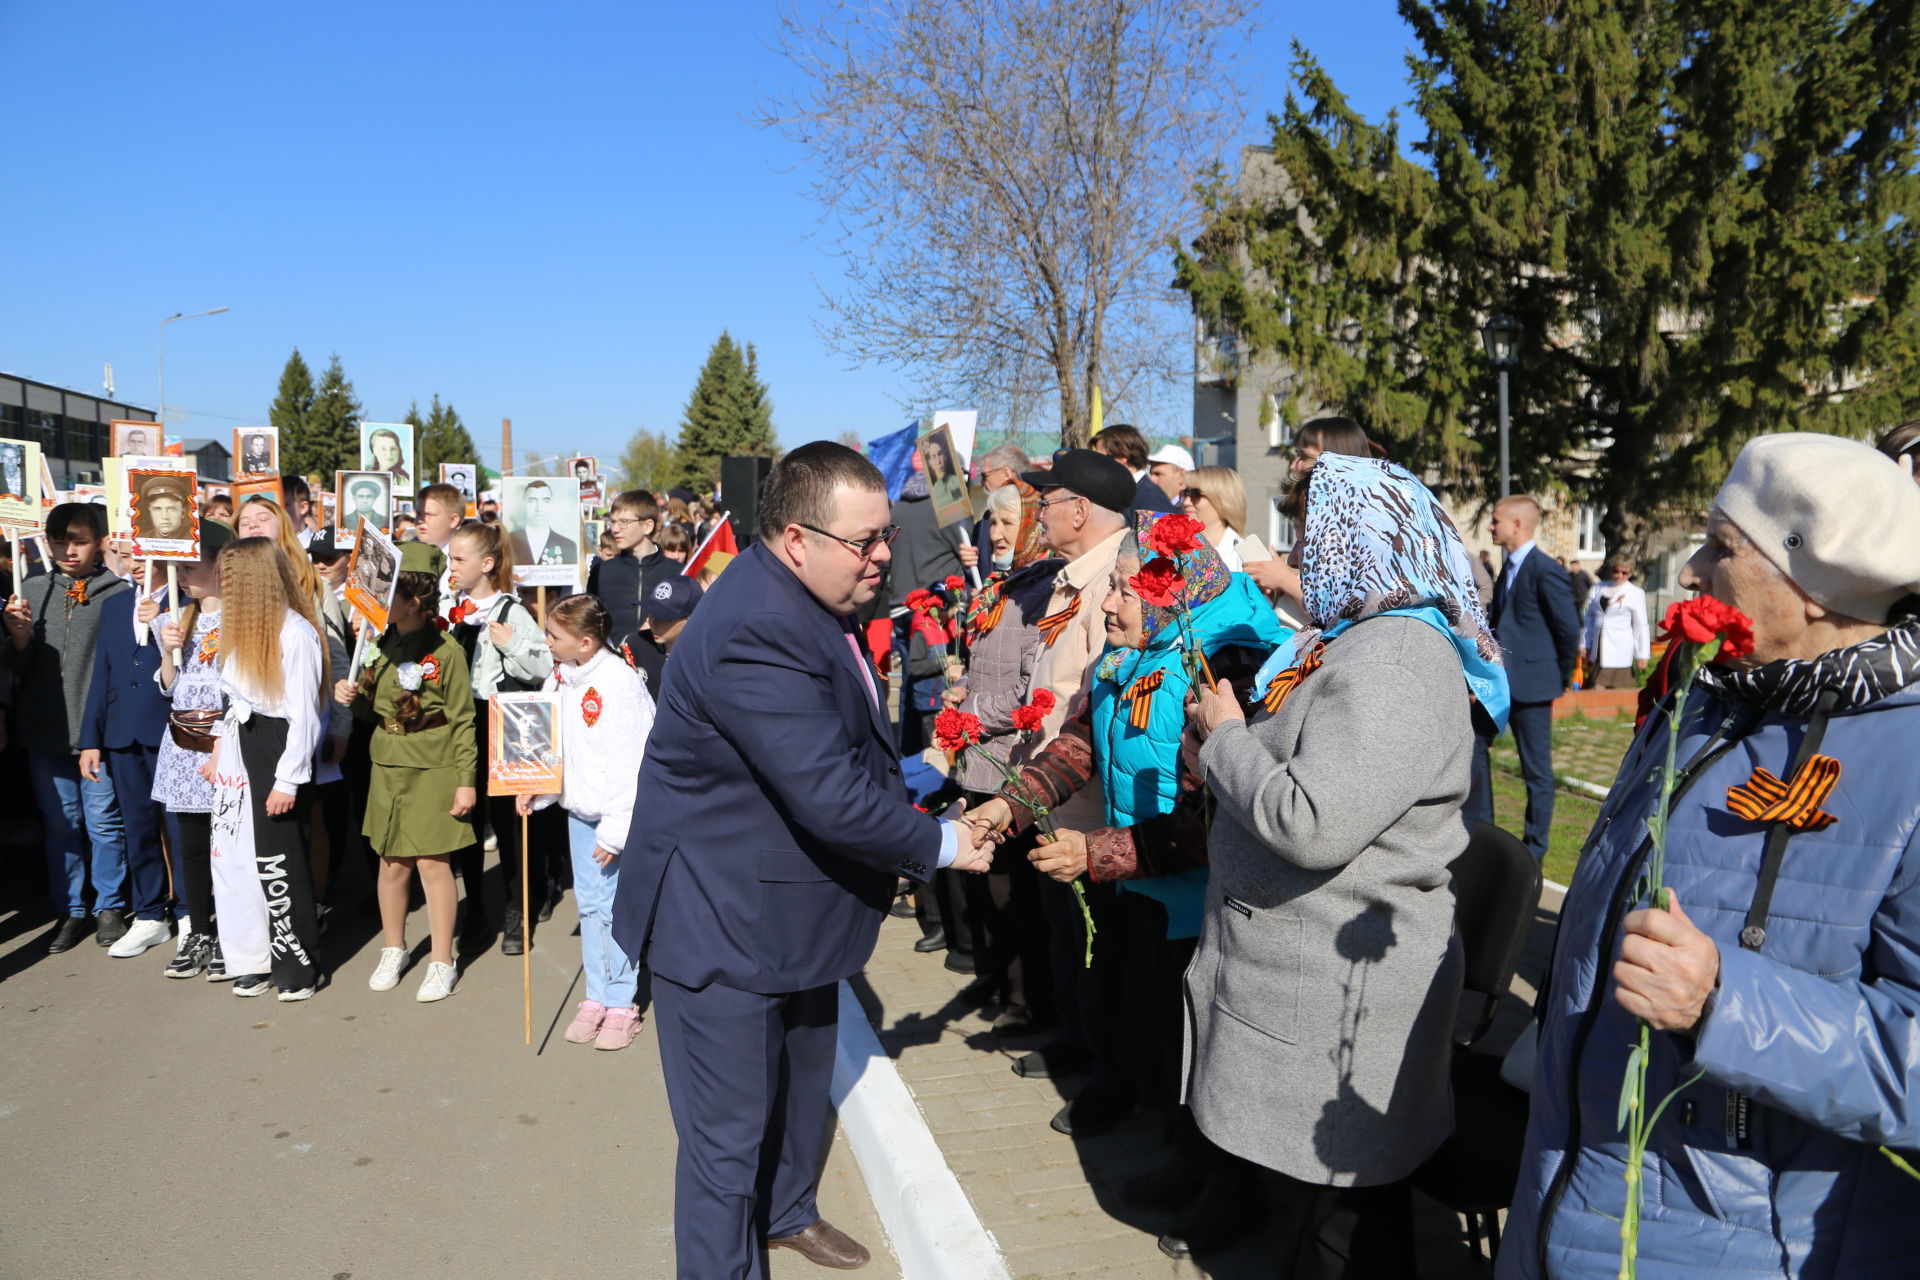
[
  {"x": 511, "y": 941},
  {"x": 113, "y": 927},
  {"x": 190, "y": 960},
  {"x": 252, "y": 984},
  {"x": 1091, "y": 1114},
  {"x": 216, "y": 963}
]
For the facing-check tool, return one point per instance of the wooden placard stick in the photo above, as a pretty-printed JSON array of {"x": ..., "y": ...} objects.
[{"x": 173, "y": 601}]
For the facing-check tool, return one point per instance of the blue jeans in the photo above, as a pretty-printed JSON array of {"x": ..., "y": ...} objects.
[
  {"x": 611, "y": 974},
  {"x": 83, "y": 830}
]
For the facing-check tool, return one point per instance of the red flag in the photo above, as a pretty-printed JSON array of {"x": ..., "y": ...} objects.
[{"x": 721, "y": 539}]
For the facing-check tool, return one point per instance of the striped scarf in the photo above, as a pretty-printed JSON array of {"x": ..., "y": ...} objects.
[{"x": 1859, "y": 674}]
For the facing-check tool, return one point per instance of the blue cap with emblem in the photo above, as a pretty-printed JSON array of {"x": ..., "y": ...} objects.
[{"x": 671, "y": 599}]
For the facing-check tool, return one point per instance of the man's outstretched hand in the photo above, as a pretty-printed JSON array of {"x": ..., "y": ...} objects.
[{"x": 974, "y": 851}]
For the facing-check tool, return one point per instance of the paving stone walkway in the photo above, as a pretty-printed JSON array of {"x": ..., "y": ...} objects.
[{"x": 1052, "y": 1202}]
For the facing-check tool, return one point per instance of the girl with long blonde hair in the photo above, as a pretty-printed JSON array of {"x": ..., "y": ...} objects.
[
  {"x": 261, "y": 516},
  {"x": 273, "y": 667}
]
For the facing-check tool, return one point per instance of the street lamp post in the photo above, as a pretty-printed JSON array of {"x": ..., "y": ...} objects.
[
  {"x": 161, "y": 362},
  {"x": 1502, "y": 337}
]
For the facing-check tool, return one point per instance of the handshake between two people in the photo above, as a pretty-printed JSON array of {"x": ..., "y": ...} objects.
[{"x": 1062, "y": 856}]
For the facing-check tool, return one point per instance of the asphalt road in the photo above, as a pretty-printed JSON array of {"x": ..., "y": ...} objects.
[{"x": 168, "y": 1130}]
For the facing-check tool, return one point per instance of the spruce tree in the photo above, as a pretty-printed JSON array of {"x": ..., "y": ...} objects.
[
  {"x": 443, "y": 438},
  {"x": 292, "y": 405},
  {"x": 728, "y": 415},
  {"x": 333, "y": 426},
  {"x": 1703, "y": 216}
]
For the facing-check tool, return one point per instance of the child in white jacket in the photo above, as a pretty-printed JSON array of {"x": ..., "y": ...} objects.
[{"x": 605, "y": 716}]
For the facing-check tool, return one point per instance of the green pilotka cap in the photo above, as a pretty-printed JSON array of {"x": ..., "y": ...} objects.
[{"x": 422, "y": 557}]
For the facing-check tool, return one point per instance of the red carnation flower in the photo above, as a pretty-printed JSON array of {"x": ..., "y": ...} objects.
[
  {"x": 955, "y": 582},
  {"x": 1042, "y": 699},
  {"x": 1175, "y": 535},
  {"x": 921, "y": 600},
  {"x": 1703, "y": 619},
  {"x": 1159, "y": 584},
  {"x": 955, "y": 731},
  {"x": 1029, "y": 718}
]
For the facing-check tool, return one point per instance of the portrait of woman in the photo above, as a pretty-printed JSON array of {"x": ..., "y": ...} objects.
[{"x": 385, "y": 452}]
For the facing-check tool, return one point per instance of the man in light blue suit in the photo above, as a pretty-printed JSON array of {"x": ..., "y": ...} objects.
[{"x": 769, "y": 829}]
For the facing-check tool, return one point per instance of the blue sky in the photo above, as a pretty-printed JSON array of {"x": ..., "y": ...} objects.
[{"x": 539, "y": 212}]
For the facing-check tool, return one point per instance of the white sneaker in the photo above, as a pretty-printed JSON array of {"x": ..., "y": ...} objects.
[
  {"x": 438, "y": 984},
  {"x": 142, "y": 935},
  {"x": 386, "y": 976}
]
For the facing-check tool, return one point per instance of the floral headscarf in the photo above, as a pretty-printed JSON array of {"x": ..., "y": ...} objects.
[
  {"x": 984, "y": 613},
  {"x": 1207, "y": 577}
]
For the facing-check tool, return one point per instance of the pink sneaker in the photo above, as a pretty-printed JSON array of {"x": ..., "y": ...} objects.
[
  {"x": 586, "y": 1023},
  {"x": 618, "y": 1031}
]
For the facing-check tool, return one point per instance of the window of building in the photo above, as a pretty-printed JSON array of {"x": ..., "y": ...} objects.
[
  {"x": 1279, "y": 430},
  {"x": 1587, "y": 539},
  {"x": 1280, "y": 532}
]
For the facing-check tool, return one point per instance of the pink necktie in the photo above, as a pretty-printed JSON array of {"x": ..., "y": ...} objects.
[{"x": 860, "y": 661}]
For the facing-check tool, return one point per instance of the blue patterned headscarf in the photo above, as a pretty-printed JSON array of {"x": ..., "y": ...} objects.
[{"x": 1377, "y": 541}]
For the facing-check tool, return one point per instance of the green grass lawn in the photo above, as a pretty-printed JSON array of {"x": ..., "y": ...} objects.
[{"x": 1573, "y": 818}]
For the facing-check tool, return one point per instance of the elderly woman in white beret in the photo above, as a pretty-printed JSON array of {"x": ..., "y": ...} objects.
[{"x": 1783, "y": 987}]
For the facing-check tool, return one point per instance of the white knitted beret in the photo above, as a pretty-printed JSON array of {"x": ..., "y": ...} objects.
[{"x": 1837, "y": 517}]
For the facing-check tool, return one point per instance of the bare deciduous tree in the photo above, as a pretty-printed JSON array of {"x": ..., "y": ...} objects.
[{"x": 1003, "y": 180}]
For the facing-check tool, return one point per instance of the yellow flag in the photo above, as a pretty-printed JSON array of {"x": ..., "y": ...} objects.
[{"x": 1098, "y": 416}]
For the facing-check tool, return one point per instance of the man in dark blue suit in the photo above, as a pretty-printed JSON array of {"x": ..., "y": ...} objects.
[
  {"x": 770, "y": 827},
  {"x": 1533, "y": 618},
  {"x": 121, "y": 726}
]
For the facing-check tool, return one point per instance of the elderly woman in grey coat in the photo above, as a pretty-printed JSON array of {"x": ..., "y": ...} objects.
[{"x": 1321, "y": 1000}]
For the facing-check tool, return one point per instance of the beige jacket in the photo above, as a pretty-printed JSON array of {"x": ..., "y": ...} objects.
[{"x": 1066, "y": 666}]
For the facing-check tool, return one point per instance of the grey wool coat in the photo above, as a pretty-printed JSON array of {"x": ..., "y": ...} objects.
[{"x": 1321, "y": 1000}]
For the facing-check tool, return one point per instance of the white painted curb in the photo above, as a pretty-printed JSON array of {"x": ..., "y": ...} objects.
[{"x": 935, "y": 1232}]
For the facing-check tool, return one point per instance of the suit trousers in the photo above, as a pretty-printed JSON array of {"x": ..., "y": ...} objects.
[
  {"x": 748, "y": 1079},
  {"x": 141, "y": 818},
  {"x": 1532, "y": 725}
]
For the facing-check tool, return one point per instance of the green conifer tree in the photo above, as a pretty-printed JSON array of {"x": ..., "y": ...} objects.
[
  {"x": 728, "y": 415},
  {"x": 443, "y": 437},
  {"x": 333, "y": 426},
  {"x": 1704, "y": 218},
  {"x": 292, "y": 404}
]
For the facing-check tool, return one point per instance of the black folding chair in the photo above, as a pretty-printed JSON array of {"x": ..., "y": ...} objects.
[{"x": 1496, "y": 884}]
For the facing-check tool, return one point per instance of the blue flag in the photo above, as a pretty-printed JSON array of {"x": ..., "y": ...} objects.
[{"x": 893, "y": 454}]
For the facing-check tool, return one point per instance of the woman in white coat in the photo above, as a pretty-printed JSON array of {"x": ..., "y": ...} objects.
[{"x": 1615, "y": 641}]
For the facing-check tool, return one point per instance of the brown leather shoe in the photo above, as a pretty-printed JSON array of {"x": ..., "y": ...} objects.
[{"x": 825, "y": 1245}]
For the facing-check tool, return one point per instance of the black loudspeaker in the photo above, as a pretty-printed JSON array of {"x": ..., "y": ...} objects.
[{"x": 741, "y": 480}]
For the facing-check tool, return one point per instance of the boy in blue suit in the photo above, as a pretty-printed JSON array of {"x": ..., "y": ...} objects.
[
  {"x": 121, "y": 726},
  {"x": 770, "y": 828}
]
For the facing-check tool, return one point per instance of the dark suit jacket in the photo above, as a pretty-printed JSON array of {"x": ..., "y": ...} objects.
[
  {"x": 1538, "y": 630},
  {"x": 563, "y": 547},
  {"x": 770, "y": 823},
  {"x": 1148, "y": 496},
  {"x": 124, "y": 703}
]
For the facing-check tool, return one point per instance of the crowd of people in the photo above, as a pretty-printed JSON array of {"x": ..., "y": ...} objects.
[{"x": 1196, "y": 802}]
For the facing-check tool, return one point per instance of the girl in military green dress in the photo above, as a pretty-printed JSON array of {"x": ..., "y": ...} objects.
[{"x": 416, "y": 691}]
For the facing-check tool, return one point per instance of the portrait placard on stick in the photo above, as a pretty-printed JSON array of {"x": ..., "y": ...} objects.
[
  {"x": 166, "y": 515},
  {"x": 388, "y": 447},
  {"x": 542, "y": 520},
  {"x": 20, "y": 484},
  {"x": 256, "y": 452},
  {"x": 523, "y": 744},
  {"x": 364, "y": 495},
  {"x": 464, "y": 476},
  {"x": 946, "y": 478},
  {"x": 371, "y": 575},
  {"x": 131, "y": 438}
]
